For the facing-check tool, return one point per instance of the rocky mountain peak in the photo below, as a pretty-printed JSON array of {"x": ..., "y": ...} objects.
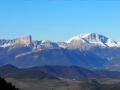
[
  {"x": 87, "y": 36},
  {"x": 24, "y": 40},
  {"x": 93, "y": 39},
  {"x": 82, "y": 41}
]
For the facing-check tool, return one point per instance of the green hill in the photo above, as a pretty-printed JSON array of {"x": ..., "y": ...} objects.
[
  {"x": 66, "y": 71},
  {"x": 75, "y": 72},
  {"x": 8, "y": 68},
  {"x": 30, "y": 74}
]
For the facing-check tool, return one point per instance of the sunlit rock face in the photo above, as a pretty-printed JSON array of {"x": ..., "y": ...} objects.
[{"x": 24, "y": 40}]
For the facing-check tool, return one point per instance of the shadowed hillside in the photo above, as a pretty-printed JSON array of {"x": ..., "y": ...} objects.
[
  {"x": 73, "y": 72},
  {"x": 32, "y": 74},
  {"x": 8, "y": 68}
]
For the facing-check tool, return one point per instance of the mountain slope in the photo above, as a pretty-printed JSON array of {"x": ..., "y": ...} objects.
[
  {"x": 94, "y": 39},
  {"x": 8, "y": 69},
  {"x": 62, "y": 57},
  {"x": 113, "y": 64},
  {"x": 89, "y": 50},
  {"x": 9, "y": 53}
]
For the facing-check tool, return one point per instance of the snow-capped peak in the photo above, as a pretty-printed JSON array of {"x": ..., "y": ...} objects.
[
  {"x": 81, "y": 41},
  {"x": 96, "y": 39},
  {"x": 88, "y": 36},
  {"x": 79, "y": 37}
]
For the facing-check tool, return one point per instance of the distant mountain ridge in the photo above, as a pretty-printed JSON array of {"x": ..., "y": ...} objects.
[
  {"x": 95, "y": 40},
  {"x": 89, "y": 50},
  {"x": 22, "y": 40},
  {"x": 88, "y": 39}
]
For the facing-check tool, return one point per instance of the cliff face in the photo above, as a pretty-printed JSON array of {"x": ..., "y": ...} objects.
[{"x": 23, "y": 40}]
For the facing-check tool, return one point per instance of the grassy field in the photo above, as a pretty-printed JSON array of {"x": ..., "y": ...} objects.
[
  {"x": 33, "y": 84},
  {"x": 108, "y": 80},
  {"x": 51, "y": 84}
]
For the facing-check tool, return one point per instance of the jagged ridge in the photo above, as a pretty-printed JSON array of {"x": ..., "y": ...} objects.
[{"x": 88, "y": 40}]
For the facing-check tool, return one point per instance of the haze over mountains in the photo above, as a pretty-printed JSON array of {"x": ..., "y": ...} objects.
[{"x": 93, "y": 51}]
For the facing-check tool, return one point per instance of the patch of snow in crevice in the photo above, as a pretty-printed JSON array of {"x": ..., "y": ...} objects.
[
  {"x": 7, "y": 45},
  {"x": 111, "y": 43},
  {"x": 98, "y": 43},
  {"x": 62, "y": 46},
  {"x": 78, "y": 37}
]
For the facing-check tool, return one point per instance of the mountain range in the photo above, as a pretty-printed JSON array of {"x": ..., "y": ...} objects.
[
  {"x": 70, "y": 72},
  {"x": 88, "y": 41},
  {"x": 91, "y": 50}
]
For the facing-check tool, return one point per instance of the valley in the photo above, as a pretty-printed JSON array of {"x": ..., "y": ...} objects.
[
  {"x": 59, "y": 44},
  {"x": 75, "y": 79}
]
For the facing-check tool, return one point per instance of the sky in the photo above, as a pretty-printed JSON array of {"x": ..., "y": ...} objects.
[{"x": 59, "y": 20}]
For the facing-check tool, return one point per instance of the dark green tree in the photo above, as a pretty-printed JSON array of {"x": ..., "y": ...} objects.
[{"x": 6, "y": 86}]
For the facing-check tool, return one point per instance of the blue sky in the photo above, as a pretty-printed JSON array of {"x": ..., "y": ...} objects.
[{"x": 59, "y": 20}]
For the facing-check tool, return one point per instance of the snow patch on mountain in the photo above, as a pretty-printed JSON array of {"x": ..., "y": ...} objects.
[
  {"x": 118, "y": 43},
  {"x": 111, "y": 43},
  {"x": 7, "y": 45},
  {"x": 76, "y": 38}
]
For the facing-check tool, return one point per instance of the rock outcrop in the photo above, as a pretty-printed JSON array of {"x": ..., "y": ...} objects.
[{"x": 24, "y": 40}]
